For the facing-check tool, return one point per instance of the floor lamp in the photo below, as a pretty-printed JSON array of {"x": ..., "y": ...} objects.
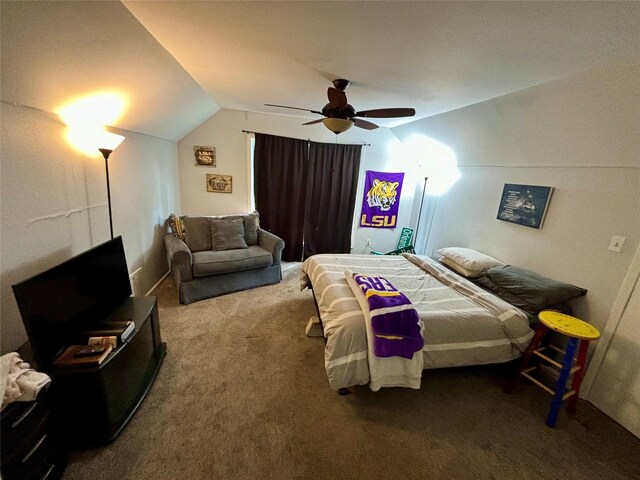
[
  {"x": 424, "y": 189},
  {"x": 107, "y": 143}
]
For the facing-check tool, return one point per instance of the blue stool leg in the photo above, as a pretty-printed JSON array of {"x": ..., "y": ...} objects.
[{"x": 567, "y": 363}]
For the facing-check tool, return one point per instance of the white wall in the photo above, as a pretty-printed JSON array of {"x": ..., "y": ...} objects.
[
  {"x": 224, "y": 131},
  {"x": 54, "y": 203},
  {"x": 579, "y": 135},
  {"x": 613, "y": 380}
]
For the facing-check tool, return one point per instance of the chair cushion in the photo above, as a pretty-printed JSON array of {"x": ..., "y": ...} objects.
[
  {"x": 224, "y": 261},
  {"x": 227, "y": 234},
  {"x": 197, "y": 233}
]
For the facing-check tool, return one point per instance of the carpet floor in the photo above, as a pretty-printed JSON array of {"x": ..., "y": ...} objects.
[{"x": 242, "y": 394}]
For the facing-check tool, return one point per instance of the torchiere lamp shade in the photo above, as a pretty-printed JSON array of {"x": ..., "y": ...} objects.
[{"x": 107, "y": 143}]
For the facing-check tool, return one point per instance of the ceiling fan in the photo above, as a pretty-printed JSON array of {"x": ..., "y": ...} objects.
[{"x": 340, "y": 116}]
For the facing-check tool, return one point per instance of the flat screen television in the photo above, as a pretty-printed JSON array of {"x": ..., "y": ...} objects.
[{"x": 71, "y": 297}]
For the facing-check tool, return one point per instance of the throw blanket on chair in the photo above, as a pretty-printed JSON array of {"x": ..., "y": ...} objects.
[{"x": 394, "y": 333}]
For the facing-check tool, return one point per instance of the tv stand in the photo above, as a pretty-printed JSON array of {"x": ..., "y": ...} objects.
[{"x": 95, "y": 403}]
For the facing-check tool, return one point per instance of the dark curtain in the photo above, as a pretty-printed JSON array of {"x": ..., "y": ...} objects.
[
  {"x": 280, "y": 183},
  {"x": 331, "y": 197}
]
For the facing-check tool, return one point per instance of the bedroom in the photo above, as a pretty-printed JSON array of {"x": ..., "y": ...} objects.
[{"x": 576, "y": 131}]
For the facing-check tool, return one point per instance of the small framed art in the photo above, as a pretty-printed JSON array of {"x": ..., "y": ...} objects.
[
  {"x": 205, "y": 156},
  {"x": 524, "y": 204},
  {"x": 219, "y": 183}
]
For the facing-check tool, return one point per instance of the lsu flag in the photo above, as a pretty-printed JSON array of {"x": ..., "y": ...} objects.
[{"x": 381, "y": 199}]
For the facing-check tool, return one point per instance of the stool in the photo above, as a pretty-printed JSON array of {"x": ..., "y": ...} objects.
[{"x": 579, "y": 332}]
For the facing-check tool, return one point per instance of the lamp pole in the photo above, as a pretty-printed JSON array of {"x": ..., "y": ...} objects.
[
  {"x": 424, "y": 189},
  {"x": 105, "y": 153}
]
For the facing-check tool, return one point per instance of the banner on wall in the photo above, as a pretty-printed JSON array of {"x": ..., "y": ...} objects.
[{"x": 381, "y": 199}]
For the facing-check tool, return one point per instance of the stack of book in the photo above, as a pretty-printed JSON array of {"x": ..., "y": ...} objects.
[
  {"x": 95, "y": 345},
  {"x": 82, "y": 355},
  {"x": 121, "y": 329}
]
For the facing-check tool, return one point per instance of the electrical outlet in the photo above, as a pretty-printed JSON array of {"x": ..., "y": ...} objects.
[
  {"x": 367, "y": 242},
  {"x": 616, "y": 244}
]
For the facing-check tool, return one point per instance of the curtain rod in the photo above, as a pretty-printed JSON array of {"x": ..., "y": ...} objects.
[{"x": 308, "y": 139}]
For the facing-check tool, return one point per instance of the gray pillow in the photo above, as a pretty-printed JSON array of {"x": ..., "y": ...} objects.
[
  {"x": 250, "y": 228},
  {"x": 197, "y": 232},
  {"x": 526, "y": 289},
  {"x": 227, "y": 234}
]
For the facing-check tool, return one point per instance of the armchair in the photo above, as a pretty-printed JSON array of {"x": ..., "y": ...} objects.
[{"x": 212, "y": 256}]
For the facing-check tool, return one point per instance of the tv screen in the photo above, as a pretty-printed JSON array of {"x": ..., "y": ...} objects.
[{"x": 60, "y": 302}]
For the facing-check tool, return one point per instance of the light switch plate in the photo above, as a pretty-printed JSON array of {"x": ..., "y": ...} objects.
[{"x": 616, "y": 244}]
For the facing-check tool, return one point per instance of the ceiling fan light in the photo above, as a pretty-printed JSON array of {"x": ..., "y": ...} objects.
[
  {"x": 338, "y": 125},
  {"x": 341, "y": 83}
]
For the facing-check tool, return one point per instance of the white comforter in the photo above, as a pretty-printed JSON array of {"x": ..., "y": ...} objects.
[{"x": 464, "y": 325}]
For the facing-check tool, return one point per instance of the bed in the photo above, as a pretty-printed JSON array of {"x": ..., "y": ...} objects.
[{"x": 463, "y": 323}]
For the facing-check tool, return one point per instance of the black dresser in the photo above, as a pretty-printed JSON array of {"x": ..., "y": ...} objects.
[{"x": 30, "y": 448}]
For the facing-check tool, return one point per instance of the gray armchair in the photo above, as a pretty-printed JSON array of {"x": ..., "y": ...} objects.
[{"x": 212, "y": 256}]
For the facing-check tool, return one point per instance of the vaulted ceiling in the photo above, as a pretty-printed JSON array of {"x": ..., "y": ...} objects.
[
  {"x": 179, "y": 62},
  {"x": 434, "y": 56}
]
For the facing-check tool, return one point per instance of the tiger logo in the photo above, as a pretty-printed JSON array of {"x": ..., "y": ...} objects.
[{"x": 382, "y": 194}]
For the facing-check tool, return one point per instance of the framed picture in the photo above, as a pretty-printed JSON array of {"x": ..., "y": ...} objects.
[
  {"x": 218, "y": 183},
  {"x": 205, "y": 156},
  {"x": 524, "y": 204}
]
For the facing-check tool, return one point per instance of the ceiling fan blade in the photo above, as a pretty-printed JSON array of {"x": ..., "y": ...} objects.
[
  {"x": 337, "y": 98},
  {"x": 313, "y": 121},
  {"x": 364, "y": 124},
  {"x": 387, "y": 113},
  {"x": 294, "y": 108}
]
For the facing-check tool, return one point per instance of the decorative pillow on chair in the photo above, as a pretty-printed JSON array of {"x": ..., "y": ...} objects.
[
  {"x": 176, "y": 226},
  {"x": 251, "y": 225},
  {"x": 227, "y": 234},
  {"x": 197, "y": 233},
  {"x": 471, "y": 260}
]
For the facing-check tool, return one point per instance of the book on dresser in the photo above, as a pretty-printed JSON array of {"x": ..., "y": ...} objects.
[
  {"x": 82, "y": 355},
  {"x": 121, "y": 329}
]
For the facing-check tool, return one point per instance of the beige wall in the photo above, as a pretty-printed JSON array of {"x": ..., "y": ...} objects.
[
  {"x": 224, "y": 131},
  {"x": 578, "y": 135},
  {"x": 54, "y": 203}
]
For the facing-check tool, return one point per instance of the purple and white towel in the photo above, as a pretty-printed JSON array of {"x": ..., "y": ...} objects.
[
  {"x": 393, "y": 342},
  {"x": 394, "y": 321}
]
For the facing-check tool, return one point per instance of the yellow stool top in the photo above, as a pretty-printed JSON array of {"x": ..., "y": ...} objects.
[{"x": 568, "y": 325}]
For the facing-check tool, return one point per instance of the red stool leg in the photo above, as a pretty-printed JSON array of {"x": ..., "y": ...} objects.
[
  {"x": 526, "y": 356},
  {"x": 578, "y": 376}
]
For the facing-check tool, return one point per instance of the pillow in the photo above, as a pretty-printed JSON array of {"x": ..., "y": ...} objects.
[
  {"x": 458, "y": 268},
  {"x": 251, "y": 225},
  {"x": 176, "y": 226},
  {"x": 526, "y": 289},
  {"x": 197, "y": 233},
  {"x": 470, "y": 259},
  {"x": 227, "y": 234},
  {"x": 486, "y": 282}
]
